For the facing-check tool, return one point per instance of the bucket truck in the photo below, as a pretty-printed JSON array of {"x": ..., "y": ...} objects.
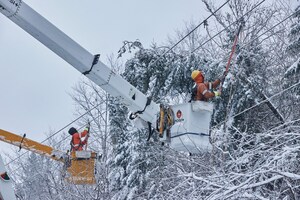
[{"x": 185, "y": 127}]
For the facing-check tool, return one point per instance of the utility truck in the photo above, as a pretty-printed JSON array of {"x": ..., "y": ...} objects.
[{"x": 184, "y": 127}]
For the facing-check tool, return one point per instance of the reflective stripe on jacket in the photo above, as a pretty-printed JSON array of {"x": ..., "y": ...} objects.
[
  {"x": 78, "y": 140},
  {"x": 204, "y": 90}
]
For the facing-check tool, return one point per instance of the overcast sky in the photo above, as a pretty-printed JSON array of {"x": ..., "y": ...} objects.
[{"x": 35, "y": 83}]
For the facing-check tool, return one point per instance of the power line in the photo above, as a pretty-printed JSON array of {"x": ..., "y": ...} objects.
[
  {"x": 54, "y": 144},
  {"x": 269, "y": 29},
  {"x": 203, "y": 22},
  {"x": 238, "y": 20},
  {"x": 268, "y": 99}
]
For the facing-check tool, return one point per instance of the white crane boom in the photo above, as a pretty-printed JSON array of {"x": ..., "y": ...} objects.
[{"x": 69, "y": 50}]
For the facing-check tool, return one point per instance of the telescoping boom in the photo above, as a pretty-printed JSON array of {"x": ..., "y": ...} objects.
[{"x": 85, "y": 62}]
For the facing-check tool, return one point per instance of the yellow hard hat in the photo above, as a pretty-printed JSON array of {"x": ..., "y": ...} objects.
[{"x": 195, "y": 73}]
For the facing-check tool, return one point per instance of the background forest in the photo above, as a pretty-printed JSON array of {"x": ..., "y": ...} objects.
[{"x": 255, "y": 127}]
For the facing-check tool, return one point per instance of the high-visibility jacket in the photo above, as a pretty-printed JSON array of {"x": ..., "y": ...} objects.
[
  {"x": 79, "y": 140},
  {"x": 204, "y": 90}
]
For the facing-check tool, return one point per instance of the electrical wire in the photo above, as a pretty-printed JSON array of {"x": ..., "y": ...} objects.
[
  {"x": 248, "y": 44},
  {"x": 54, "y": 144},
  {"x": 276, "y": 93},
  {"x": 268, "y": 99},
  {"x": 194, "y": 29},
  {"x": 269, "y": 30},
  {"x": 211, "y": 38},
  {"x": 238, "y": 20}
]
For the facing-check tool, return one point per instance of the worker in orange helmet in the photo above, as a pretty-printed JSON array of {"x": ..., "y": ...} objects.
[
  {"x": 79, "y": 139},
  {"x": 203, "y": 91}
]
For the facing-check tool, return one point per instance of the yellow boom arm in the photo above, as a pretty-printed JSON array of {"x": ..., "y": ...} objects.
[{"x": 31, "y": 145}]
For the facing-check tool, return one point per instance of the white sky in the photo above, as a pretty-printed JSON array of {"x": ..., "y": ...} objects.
[{"x": 35, "y": 83}]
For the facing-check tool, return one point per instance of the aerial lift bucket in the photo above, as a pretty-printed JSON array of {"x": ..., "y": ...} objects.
[
  {"x": 82, "y": 168},
  {"x": 190, "y": 132}
]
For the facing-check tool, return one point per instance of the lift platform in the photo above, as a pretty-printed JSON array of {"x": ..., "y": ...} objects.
[{"x": 191, "y": 129}]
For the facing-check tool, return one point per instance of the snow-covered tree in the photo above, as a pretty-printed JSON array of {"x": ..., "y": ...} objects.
[{"x": 254, "y": 155}]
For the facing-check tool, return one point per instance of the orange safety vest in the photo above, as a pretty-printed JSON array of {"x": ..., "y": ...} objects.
[
  {"x": 79, "y": 140},
  {"x": 204, "y": 90}
]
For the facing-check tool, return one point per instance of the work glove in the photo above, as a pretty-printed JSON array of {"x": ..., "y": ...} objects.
[
  {"x": 87, "y": 128},
  {"x": 217, "y": 93}
]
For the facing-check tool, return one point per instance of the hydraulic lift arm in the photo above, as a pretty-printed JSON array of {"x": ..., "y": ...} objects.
[
  {"x": 86, "y": 63},
  {"x": 31, "y": 145}
]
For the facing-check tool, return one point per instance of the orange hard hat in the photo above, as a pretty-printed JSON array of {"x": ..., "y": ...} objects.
[{"x": 196, "y": 73}]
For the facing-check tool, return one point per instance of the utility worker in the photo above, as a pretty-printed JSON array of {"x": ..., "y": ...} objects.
[
  {"x": 79, "y": 139},
  {"x": 203, "y": 91}
]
